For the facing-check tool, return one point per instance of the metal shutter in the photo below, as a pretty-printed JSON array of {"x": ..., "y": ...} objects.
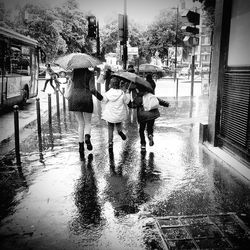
[{"x": 235, "y": 109}]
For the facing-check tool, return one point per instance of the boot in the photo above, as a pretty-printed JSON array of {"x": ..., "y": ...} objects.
[
  {"x": 88, "y": 142},
  {"x": 81, "y": 150},
  {"x": 151, "y": 141}
]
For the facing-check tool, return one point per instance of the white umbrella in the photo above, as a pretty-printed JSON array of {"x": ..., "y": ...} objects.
[{"x": 77, "y": 60}]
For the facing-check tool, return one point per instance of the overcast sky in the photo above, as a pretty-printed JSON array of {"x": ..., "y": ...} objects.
[{"x": 142, "y": 11}]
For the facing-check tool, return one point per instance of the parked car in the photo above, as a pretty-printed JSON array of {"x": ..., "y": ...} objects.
[{"x": 155, "y": 70}]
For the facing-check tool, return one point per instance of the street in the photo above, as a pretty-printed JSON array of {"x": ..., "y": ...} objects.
[{"x": 108, "y": 201}]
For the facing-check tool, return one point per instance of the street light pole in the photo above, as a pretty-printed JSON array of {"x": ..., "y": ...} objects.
[
  {"x": 125, "y": 30},
  {"x": 175, "y": 61}
]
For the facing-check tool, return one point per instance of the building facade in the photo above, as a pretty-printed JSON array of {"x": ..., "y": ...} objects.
[{"x": 229, "y": 94}]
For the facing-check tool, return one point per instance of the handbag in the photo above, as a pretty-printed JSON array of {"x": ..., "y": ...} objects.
[
  {"x": 68, "y": 90},
  {"x": 150, "y": 102}
]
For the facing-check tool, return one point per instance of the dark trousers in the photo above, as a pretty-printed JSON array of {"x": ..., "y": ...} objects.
[
  {"x": 149, "y": 125},
  {"x": 51, "y": 84},
  {"x": 111, "y": 127}
]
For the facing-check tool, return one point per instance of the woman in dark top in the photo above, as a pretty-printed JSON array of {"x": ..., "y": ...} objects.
[
  {"x": 150, "y": 79},
  {"x": 81, "y": 103}
]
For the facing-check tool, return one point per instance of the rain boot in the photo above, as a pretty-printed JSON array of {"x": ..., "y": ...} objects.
[
  {"x": 88, "y": 142},
  {"x": 81, "y": 150}
]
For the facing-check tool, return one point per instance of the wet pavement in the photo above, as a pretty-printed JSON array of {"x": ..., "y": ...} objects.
[{"x": 109, "y": 201}]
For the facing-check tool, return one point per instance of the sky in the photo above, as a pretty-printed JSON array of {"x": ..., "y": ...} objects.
[{"x": 142, "y": 11}]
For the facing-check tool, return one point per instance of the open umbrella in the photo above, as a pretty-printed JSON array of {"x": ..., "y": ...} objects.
[
  {"x": 132, "y": 77},
  {"x": 77, "y": 60}
]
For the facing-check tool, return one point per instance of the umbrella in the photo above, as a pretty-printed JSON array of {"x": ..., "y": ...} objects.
[
  {"x": 132, "y": 77},
  {"x": 77, "y": 60}
]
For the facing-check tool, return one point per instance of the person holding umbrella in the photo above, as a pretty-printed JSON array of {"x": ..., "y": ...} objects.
[{"x": 80, "y": 99}]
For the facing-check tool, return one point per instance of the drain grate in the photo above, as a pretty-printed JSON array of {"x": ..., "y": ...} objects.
[{"x": 216, "y": 231}]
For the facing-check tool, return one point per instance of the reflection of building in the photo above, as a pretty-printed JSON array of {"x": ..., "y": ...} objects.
[{"x": 228, "y": 129}]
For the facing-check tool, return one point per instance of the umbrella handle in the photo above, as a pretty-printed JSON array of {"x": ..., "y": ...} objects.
[{"x": 129, "y": 85}]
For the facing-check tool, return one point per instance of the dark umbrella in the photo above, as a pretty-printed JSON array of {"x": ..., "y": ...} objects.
[{"x": 132, "y": 77}]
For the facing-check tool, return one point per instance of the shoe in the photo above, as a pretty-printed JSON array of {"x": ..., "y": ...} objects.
[
  {"x": 143, "y": 147},
  {"x": 88, "y": 142},
  {"x": 81, "y": 150},
  {"x": 151, "y": 142},
  {"x": 123, "y": 136}
]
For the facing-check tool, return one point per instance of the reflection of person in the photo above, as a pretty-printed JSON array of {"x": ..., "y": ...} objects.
[
  {"x": 81, "y": 103},
  {"x": 115, "y": 111},
  {"x": 86, "y": 198},
  {"x": 49, "y": 74},
  {"x": 146, "y": 119}
]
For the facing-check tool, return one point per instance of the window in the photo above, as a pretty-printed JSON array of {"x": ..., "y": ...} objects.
[
  {"x": 239, "y": 38},
  {"x": 17, "y": 60}
]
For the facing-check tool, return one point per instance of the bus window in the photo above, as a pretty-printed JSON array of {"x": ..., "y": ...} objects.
[{"x": 19, "y": 60}]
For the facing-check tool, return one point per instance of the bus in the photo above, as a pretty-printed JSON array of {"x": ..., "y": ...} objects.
[{"x": 19, "y": 66}]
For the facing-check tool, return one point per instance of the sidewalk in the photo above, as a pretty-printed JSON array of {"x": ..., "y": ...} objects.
[
  {"x": 27, "y": 119},
  {"x": 109, "y": 201}
]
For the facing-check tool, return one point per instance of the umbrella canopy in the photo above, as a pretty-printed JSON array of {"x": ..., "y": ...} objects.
[
  {"x": 132, "y": 77},
  {"x": 77, "y": 60}
]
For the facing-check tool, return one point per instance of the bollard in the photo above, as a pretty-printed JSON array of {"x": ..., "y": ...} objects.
[
  {"x": 38, "y": 116},
  {"x": 39, "y": 130},
  {"x": 49, "y": 109},
  {"x": 63, "y": 92},
  {"x": 17, "y": 141},
  {"x": 177, "y": 87},
  {"x": 57, "y": 104}
]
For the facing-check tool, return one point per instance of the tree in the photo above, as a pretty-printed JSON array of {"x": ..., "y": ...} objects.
[
  {"x": 35, "y": 21},
  {"x": 73, "y": 27},
  {"x": 162, "y": 33}
]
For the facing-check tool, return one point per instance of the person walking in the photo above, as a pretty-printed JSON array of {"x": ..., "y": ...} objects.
[
  {"x": 81, "y": 103},
  {"x": 146, "y": 119},
  {"x": 49, "y": 74},
  {"x": 115, "y": 110}
]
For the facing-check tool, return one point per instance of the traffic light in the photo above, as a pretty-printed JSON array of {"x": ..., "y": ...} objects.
[
  {"x": 92, "y": 26},
  {"x": 192, "y": 18},
  {"x": 190, "y": 29}
]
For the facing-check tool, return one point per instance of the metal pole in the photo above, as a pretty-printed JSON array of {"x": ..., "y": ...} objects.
[
  {"x": 17, "y": 141},
  {"x": 49, "y": 109},
  {"x": 192, "y": 75},
  {"x": 177, "y": 87},
  {"x": 63, "y": 92},
  {"x": 97, "y": 40},
  {"x": 175, "y": 60},
  {"x": 38, "y": 116},
  {"x": 39, "y": 130},
  {"x": 57, "y": 104},
  {"x": 125, "y": 35}
]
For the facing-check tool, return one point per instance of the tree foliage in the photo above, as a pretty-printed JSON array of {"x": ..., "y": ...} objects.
[{"x": 59, "y": 30}]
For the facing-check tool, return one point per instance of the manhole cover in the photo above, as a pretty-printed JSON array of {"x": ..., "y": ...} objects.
[{"x": 217, "y": 231}]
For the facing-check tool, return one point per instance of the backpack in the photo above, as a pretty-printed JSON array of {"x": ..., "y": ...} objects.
[{"x": 150, "y": 102}]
